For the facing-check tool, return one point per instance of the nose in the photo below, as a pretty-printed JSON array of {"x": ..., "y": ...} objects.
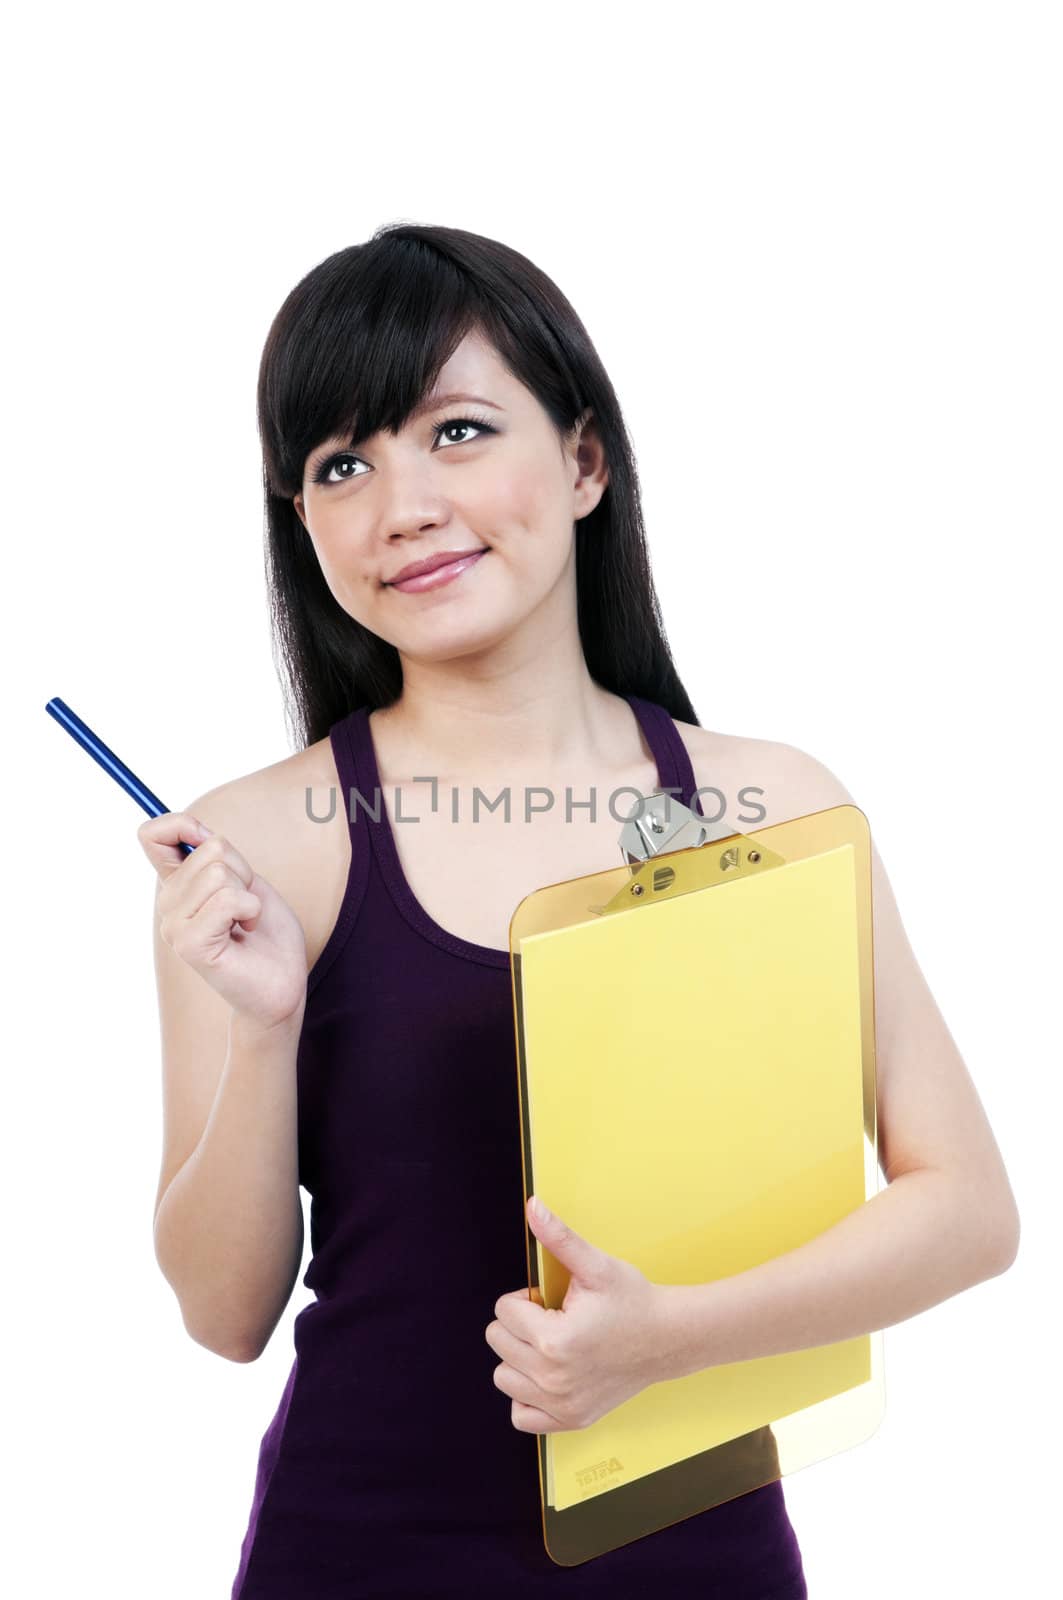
[{"x": 412, "y": 503}]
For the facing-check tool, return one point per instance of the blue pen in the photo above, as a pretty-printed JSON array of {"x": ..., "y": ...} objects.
[{"x": 110, "y": 763}]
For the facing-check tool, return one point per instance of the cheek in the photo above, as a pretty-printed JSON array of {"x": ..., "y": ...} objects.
[
  {"x": 327, "y": 536},
  {"x": 332, "y": 566},
  {"x": 525, "y": 499},
  {"x": 337, "y": 542},
  {"x": 348, "y": 584}
]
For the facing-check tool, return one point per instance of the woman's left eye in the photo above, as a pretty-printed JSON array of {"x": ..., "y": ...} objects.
[{"x": 465, "y": 423}]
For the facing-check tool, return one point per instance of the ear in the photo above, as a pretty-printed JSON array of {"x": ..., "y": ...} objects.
[
  {"x": 297, "y": 502},
  {"x": 593, "y": 468}
]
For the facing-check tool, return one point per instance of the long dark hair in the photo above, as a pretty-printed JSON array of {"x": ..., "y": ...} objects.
[{"x": 356, "y": 345}]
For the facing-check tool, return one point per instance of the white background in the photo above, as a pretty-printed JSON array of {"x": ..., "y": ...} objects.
[{"x": 818, "y": 248}]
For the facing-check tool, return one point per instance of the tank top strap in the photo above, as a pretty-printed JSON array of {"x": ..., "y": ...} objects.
[
  {"x": 343, "y": 739},
  {"x": 675, "y": 770},
  {"x": 362, "y": 797}
]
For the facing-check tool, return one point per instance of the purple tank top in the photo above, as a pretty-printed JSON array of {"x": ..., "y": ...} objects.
[{"x": 391, "y": 1466}]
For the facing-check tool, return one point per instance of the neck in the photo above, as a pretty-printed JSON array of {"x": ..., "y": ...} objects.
[{"x": 509, "y": 718}]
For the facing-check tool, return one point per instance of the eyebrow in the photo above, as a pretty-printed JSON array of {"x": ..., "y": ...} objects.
[
  {"x": 429, "y": 404},
  {"x": 446, "y": 399}
]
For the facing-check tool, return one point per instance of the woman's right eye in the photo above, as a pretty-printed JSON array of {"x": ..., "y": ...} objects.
[{"x": 322, "y": 473}]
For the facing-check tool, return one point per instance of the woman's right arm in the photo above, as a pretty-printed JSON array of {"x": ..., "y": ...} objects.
[{"x": 230, "y": 962}]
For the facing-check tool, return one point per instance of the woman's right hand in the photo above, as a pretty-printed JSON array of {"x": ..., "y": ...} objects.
[{"x": 229, "y": 924}]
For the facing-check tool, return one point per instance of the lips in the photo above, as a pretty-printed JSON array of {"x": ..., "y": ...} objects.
[
  {"x": 443, "y": 558},
  {"x": 436, "y": 571}
]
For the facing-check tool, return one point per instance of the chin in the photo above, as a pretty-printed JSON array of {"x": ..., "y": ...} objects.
[{"x": 454, "y": 638}]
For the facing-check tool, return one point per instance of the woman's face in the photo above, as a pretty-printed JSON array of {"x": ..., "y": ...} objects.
[{"x": 485, "y": 475}]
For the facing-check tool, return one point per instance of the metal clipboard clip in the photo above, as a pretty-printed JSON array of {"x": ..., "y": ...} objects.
[
  {"x": 662, "y": 823},
  {"x": 661, "y": 826}
]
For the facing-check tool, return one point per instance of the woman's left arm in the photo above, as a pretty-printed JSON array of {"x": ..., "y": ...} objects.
[{"x": 947, "y": 1219}]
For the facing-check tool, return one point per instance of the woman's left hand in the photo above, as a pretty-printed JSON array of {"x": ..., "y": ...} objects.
[{"x": 566, "y": 1368}]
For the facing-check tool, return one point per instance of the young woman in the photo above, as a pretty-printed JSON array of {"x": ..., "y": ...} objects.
[{"x": 335, "y": 991}]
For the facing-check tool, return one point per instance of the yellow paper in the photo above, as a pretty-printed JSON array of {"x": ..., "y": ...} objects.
[{"x": 698, "y": 1142}]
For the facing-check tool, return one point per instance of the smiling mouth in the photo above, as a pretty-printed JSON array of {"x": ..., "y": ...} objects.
[{"x": 443, "y": 572}]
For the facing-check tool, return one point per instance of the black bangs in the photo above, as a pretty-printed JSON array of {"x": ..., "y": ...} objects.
[{"x": 356, "y": 345}]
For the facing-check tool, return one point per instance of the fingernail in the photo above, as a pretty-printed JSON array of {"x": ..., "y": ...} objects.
[{"x": 539, "y": 1210}]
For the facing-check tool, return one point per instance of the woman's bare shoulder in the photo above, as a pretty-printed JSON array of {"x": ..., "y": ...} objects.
[
  {"x": 288, "y": 821},
  {"x": 261, "y": 808},
  {"x": 758, "y": 781}
]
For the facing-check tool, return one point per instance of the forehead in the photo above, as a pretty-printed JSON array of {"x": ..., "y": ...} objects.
[
  {"x": 474, "y": 371},
  {"x": 474, "y": 362}
]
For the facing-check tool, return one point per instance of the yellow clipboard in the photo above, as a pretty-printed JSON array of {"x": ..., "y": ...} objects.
[{"x": 696, "y": 1072}]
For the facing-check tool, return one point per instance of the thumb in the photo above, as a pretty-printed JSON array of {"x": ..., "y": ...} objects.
[{"x": 583, "y": 1259}]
